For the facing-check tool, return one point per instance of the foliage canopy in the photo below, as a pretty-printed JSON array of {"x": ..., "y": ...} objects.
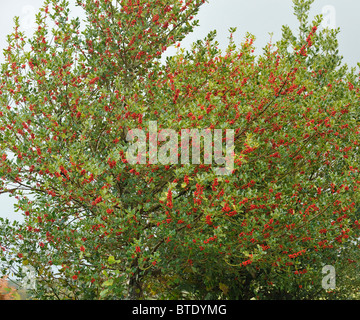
[{"x": 97, "y": 227}]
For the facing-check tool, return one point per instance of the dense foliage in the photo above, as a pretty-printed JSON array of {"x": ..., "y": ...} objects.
[{"x": 98, "y": 227}]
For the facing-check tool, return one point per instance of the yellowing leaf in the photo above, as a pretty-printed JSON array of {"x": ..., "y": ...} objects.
[{"x": 224, "y": 288}]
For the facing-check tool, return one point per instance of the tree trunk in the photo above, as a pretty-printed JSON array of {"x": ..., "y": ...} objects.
[{"x": 135, "y": 288}]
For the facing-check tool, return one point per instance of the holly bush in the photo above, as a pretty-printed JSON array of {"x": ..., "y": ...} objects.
[{"x": 97, "y": 226}]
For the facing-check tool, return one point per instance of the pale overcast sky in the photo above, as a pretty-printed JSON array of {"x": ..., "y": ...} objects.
[{"x": 259, "y": 17}]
